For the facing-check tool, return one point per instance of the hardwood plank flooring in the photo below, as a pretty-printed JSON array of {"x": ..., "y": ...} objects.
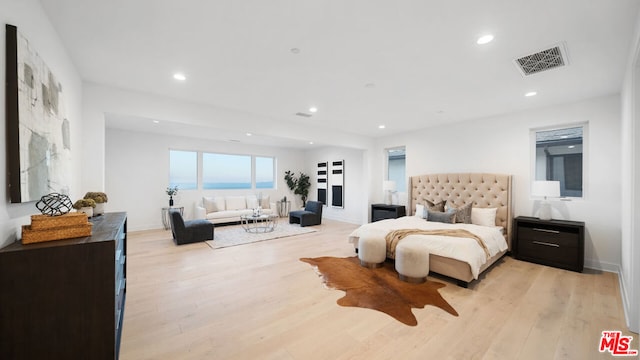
[{"x": 258, "y": 301}]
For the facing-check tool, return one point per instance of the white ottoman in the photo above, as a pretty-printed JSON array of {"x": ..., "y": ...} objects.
[
  {"x": 412, "y": 261},
  {"x": 372, "y": 251}
]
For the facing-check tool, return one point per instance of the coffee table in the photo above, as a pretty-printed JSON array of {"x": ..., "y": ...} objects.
[{"x": 259, "y": 223}]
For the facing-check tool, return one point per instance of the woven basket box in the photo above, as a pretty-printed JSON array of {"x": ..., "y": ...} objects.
[
  {"x": 34, "y": 236},
  {"x": 43, "y": 222}
]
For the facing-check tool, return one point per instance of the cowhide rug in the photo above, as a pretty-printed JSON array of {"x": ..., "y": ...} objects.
[{"x": 378, "y": 289}]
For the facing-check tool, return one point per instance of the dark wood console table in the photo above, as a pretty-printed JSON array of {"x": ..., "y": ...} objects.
[{"x": 64, "y": 299}]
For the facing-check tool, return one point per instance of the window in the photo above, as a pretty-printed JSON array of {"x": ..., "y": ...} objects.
[
  {"x": 559, "y": 156},
  {"x": 223, "y": 171},
  {"x": 265, "y": 170},
  {"x": 396, "y": 168},
  {"x": 183, "y": 169}
]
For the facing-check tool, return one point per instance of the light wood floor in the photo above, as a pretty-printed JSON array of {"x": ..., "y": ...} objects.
[{"x": 258, "y": 301}]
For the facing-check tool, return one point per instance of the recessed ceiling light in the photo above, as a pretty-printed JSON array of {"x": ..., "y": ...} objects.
[
  {"x": 156, "y": 121},
  {"x": 310, "y": 142},
  {"x": 531, "y": 93},
  {"x": 571, "y": 146},
  {"x": 313, "y": 109},
  {"x": 179, "y": 76},
  {"x": 249, "y": 134},
  {"x": 381, "y": 126},
  {"x": 485, "y": 39}
]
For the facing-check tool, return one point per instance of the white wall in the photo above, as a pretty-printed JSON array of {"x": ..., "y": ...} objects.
[
  {"x": 101, "y": 100},
  {"x": 137, "y": 173},
  {"x": 32, "y": 22},
  {"x": 356, "y": 181},
  {"x": 501, "y": 144},
  {"x": 630, "y": 175}
]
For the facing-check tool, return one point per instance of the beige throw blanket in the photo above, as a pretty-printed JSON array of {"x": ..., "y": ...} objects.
[{"x": 395, "y": 236}]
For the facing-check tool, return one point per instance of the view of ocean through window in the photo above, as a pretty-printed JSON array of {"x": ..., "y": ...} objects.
[
  {"x": 220, "y": 171},
  {"x": 183, "y": 169}
]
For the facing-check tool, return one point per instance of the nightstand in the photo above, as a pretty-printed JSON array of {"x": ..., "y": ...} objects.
[
  {"x": 557, "y": 243},
  {"x": 384, "y": 211}
]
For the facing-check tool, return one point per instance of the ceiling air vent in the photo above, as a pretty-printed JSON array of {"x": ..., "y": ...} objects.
[
  {"x": 303, "y": 114},
  {"x": 550, "y": 58}
]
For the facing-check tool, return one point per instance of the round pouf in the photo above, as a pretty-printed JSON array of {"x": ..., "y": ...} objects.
[
  {"x": 412, "y": 261},
  {"x": 372, "y": 251}
]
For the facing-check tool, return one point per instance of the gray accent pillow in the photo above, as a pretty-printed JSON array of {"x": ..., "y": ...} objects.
[
  {"x": 435, "y": 207},
  {"x": 463, "y": 212},
  {"x": 443, "y": 217}
]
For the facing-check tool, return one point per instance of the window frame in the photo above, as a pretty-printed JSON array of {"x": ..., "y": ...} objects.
[
  {"x": 401, "y": 186},
  {"x": 197, "y": 179},
  {"x": 584, "y": 154},
  {"x": 200, "y": 170}
]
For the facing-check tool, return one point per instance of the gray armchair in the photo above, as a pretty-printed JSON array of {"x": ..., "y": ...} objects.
[
  {"x": 311, "y": 215},
  {"x": 190, "y": 231}
]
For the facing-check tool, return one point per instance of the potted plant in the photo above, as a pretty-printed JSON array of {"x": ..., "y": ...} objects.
[
  {"x": 85, "y": 206},
  {"x": 299, "y": 185},
  {"x": 100, "y": 199},
  {"x": 172, "y": 191}
]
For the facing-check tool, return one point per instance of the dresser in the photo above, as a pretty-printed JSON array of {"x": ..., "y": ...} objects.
[
  {"x": 65, "y": 299},
  {"x": 384, "y": 211},
  {"x": 557, "y": 243}
]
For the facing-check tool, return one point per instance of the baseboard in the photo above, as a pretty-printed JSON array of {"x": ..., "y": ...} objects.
[
  {"x": 602, "y": 266},
  {"x": 341, "y": 219},
  {"x": 626, "y": 306}
]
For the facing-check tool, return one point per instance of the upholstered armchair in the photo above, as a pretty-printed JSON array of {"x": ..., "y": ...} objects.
[
  {"x": 190, "y": 231},
  {"x": 311, "y": 215}
]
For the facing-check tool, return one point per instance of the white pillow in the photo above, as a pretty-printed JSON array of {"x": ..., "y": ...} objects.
[
  {"x": 483, "y": 216},
  {"x": 209, "y": 204},
  {"x": 266, "y": 203},
  {"x": 420, "y": 211}
]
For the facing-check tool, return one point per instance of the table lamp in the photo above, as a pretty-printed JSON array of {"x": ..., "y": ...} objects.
[
  {"x": 545, "y": 189},
  {"x": 389, "y": 187}
]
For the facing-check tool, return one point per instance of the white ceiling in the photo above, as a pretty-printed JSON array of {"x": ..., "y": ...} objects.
[{"x": 420, "y": 56}]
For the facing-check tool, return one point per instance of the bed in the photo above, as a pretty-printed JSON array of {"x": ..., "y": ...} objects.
[{"x": 448, "y": 254}]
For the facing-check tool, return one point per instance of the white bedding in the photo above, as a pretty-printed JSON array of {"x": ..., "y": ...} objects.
[{"x": 462, "y": 249}]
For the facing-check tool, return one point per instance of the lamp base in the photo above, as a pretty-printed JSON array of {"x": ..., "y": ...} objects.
[{"x": 545, "y": 211}]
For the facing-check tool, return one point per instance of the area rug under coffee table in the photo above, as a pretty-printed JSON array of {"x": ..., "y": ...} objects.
[
  {"x": 378, "y": 289},
  {"x": 225, "y": 236}
]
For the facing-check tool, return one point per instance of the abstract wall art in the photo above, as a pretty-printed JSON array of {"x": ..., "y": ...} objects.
[
  {"x": 38, "y": 131},
  {"x": 337, "y": 184},
  {"x": 322, "y": 182}
]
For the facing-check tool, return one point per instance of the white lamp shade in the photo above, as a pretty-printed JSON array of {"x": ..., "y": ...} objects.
[
  {"x": 546, "y": 189},
  {"x": 389, "y": 185}
]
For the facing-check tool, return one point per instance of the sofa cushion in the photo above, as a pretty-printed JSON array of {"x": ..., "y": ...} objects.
[
  {"x": 236, "y": 202},
  {"x": 265, "y": 202},
  {"x": 209, "y": 203},
  {"x": 252, "y": 202}
]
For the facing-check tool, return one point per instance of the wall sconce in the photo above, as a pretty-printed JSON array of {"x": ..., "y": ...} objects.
[{"x": 545, "y": 189}]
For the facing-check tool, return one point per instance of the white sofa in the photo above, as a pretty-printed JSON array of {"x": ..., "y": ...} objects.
[{"x": 226, "y": 209}]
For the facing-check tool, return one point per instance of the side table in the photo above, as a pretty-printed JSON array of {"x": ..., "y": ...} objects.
[
  {"x": 165, "y": 215},
  {"x": 557, "y": 243},
  {"x": 384, "y": 211},
  {"x": 283, "y": 208}
]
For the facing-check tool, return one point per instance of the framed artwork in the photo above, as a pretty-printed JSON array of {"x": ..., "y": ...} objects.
[
  {"x": 38, "y": 133},
  {"x": 337, "y": 184},
  {"x": 322, "y": 182}
]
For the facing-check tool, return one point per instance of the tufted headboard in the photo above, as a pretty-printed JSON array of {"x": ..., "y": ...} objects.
[{"x": 483, "y": 190}]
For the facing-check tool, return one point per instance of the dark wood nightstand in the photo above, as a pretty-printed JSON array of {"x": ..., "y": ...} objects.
[
  {"x": 384, "y": 211},
  {"x": 557, "y": 243}
]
